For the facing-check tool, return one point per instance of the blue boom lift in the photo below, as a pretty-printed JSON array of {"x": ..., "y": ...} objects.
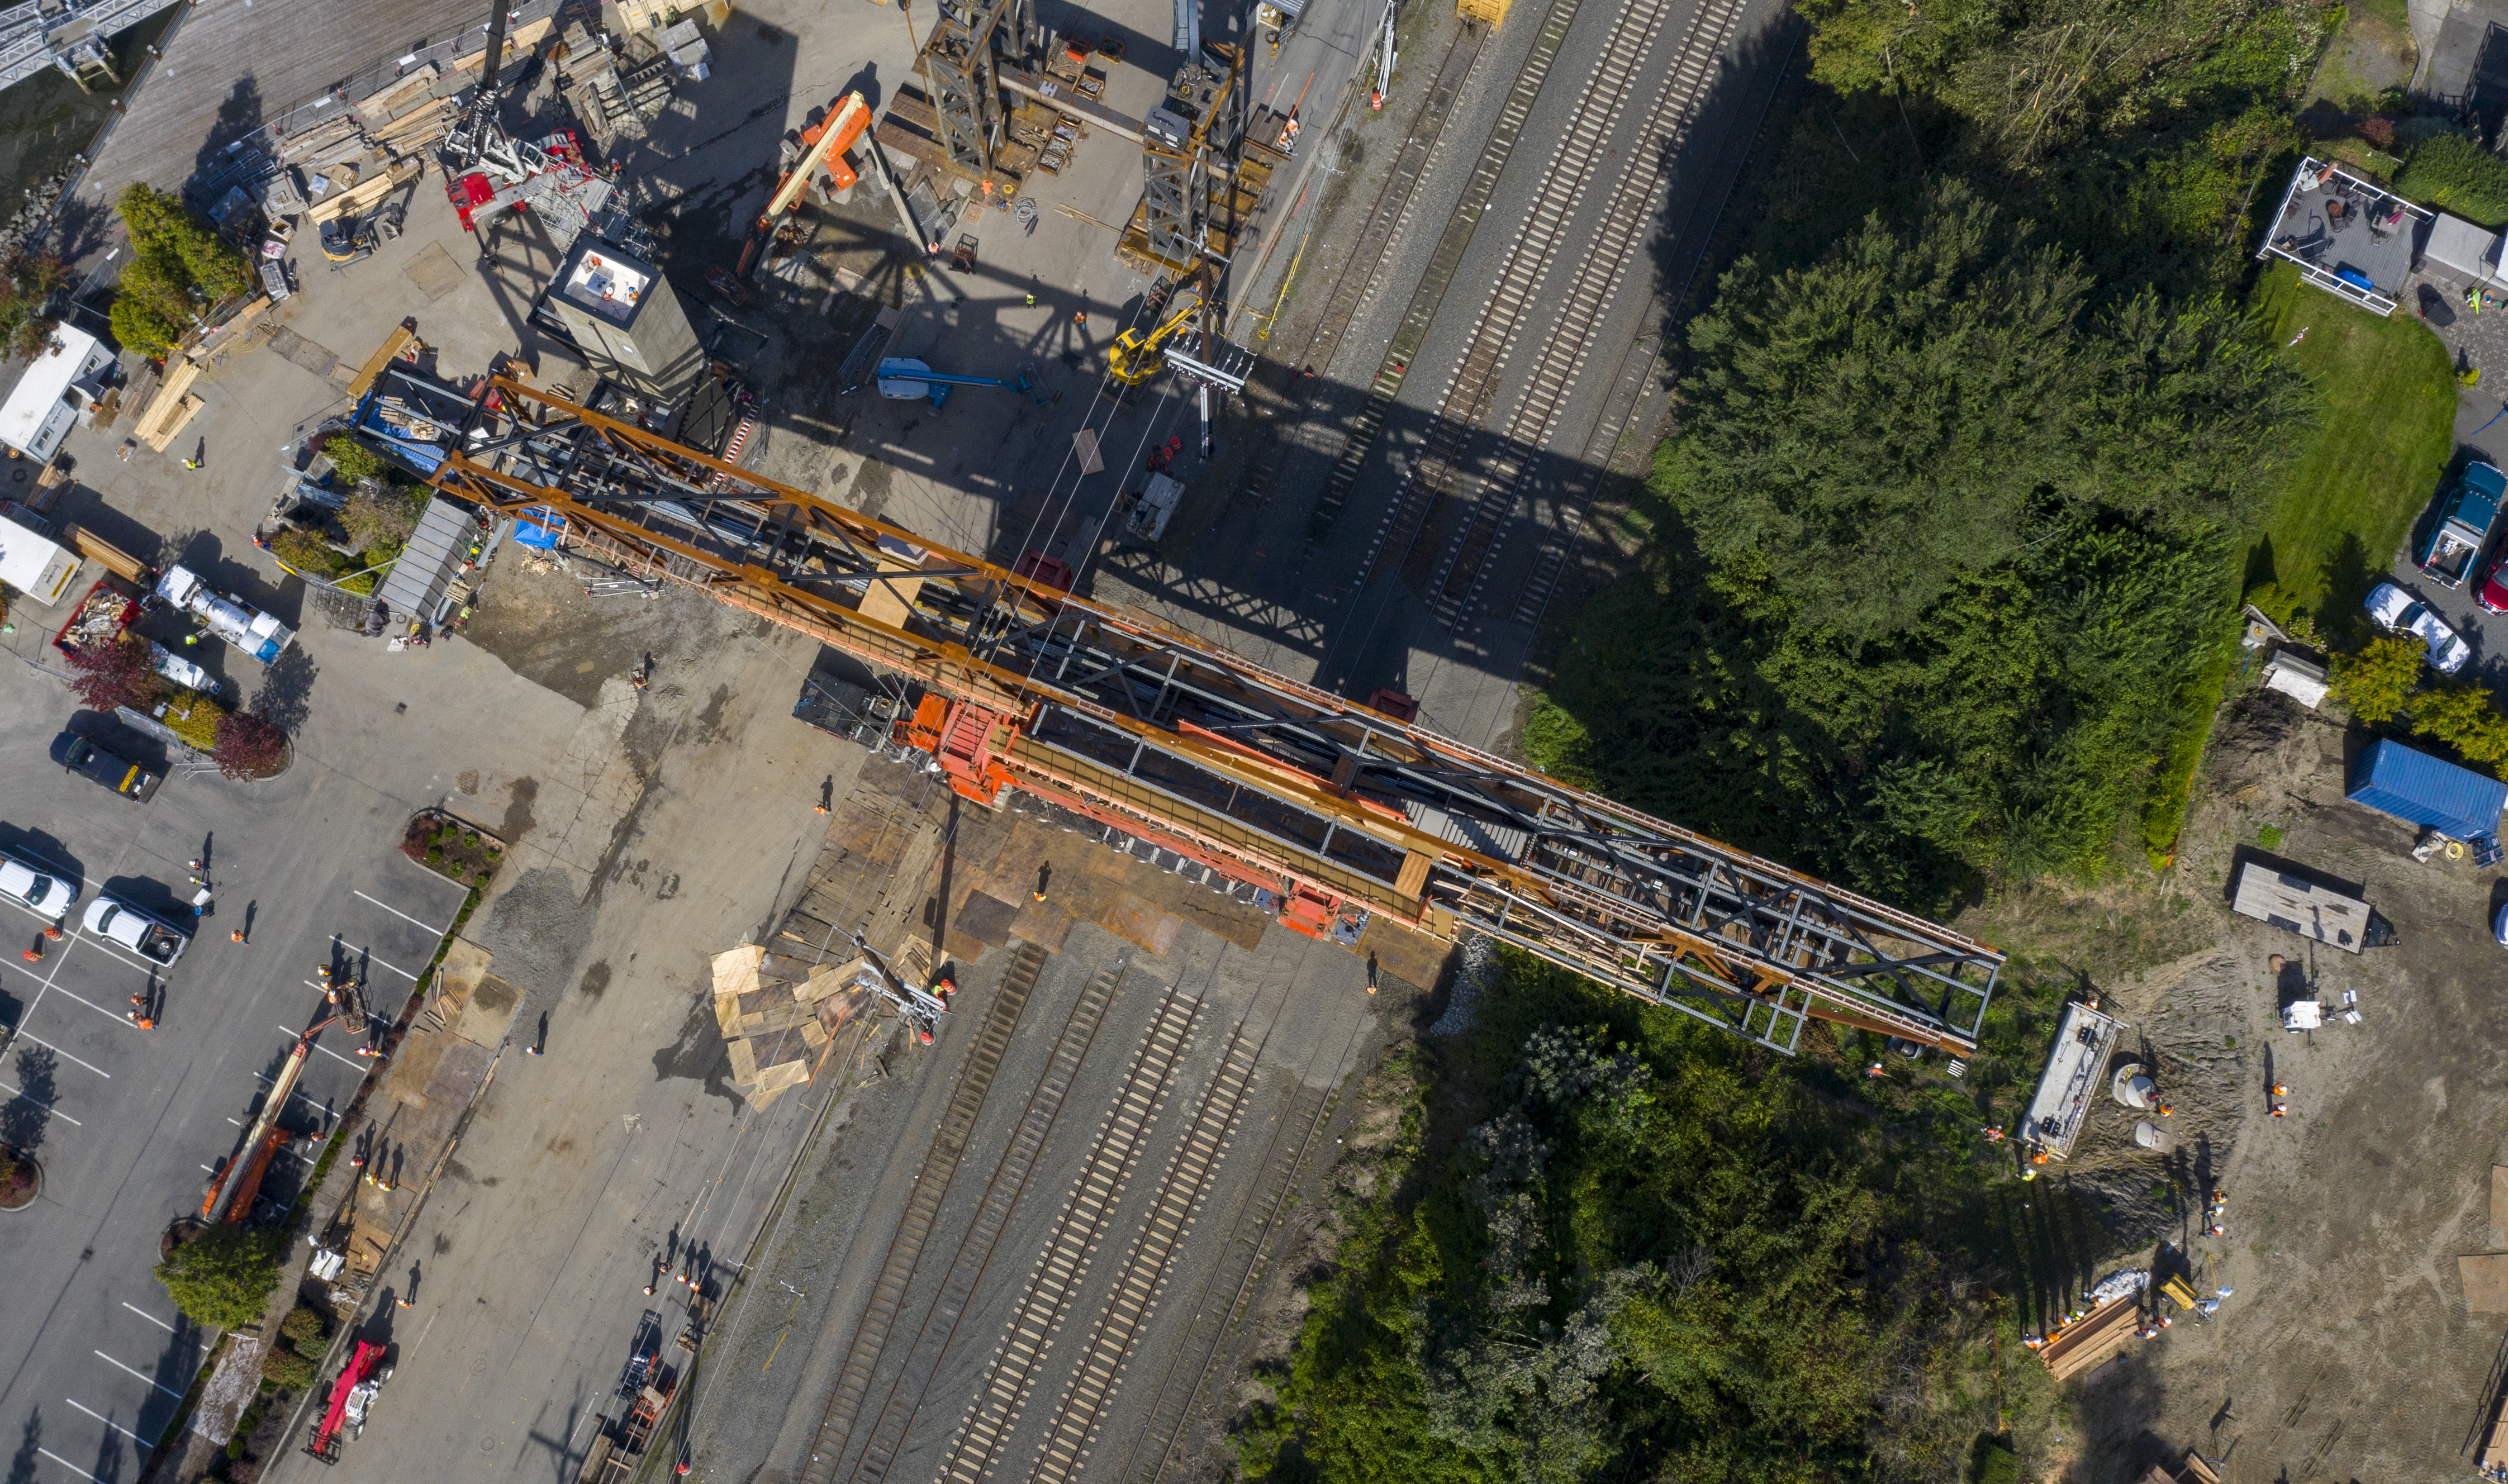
[{"x": 905, "y": 380}]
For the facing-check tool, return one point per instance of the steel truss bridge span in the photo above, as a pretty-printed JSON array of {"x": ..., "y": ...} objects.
[{"x": 1338, "y": 811}]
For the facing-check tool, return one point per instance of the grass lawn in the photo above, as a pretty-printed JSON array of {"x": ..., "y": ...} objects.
[{"x": 2386, "y": 430}]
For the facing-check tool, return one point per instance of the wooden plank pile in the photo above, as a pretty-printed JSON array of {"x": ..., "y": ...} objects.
[
  {"x": 2092, "y": 1338},
  {"x": 173, "y": 406},
  {"x": 778, "y": 1016}
]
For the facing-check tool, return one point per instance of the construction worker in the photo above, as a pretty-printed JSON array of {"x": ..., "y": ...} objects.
[
  {"x": 1371, "y": 971},
  {"x": 142, "y": 1022},
  {"x": 2281, "y": 1089},
  {"x": 191, "y": 464},
  {"x": 1993, "y": 1134},
  {"x": 2281, "y": 1111},
  {"x": 1876, "y": 1069},
  {"x": 1044, "y": 879},
  {"x": 237, "y": 936}
]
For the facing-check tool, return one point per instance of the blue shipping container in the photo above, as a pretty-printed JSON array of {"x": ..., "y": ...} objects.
[{"x": 2420, "y": 790}]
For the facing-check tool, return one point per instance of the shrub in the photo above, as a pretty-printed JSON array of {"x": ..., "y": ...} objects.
[
  {"x": 2457, "y": 174},
  {"x": 307, "y": 554},
  {"x": 194, "y": 718},
  {"x": 27, "y": 283},
  {"x": 292, "y": 1371},
  {"x": 223, "y": 1277},
  {"x": 306, "y": 1331},
  {"x": 469, "y": 836},
  {"x": 115, "y": 671},
  {"x": 435, "y": 855},
  {"x": 381, "y": 518},
  {"x": 249, "y": 746},
  {"x": 353, "y": 459}
]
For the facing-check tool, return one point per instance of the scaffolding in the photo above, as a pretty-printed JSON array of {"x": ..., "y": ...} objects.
[{"x": 1338, "y": 814}]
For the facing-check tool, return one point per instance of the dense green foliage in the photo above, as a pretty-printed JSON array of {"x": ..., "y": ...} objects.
[
  {"x": 29, "y": 281},
  {"x": 1608, "y": 1242},
  {"x": 179, "y": 268},
  {"x": 353, "y": 459},
  {"x": 2457, "y": 174},
  {"x": 1941, "y": 568},
  {"x": 224, "y": 1275}
]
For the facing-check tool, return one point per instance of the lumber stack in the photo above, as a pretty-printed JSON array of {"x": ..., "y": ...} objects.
[
  {"x": 365, "y": 193},
  {"x": 2091, "y": 1339},
  {"x": 778, "y": 1016},
  {"x": 171, "y": 407}
]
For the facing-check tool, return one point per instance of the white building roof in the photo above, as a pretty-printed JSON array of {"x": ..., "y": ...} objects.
[{"x": 40, "y": 389}]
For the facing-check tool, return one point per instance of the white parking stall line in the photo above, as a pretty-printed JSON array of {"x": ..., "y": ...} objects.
[
  {"x": 65, "y": 1464},
  {"x": 53, "y": 1108},
  {"x": 369, "y": 954},
  {"x": 404, "y": 916},
  {"x": 115, "y": 951},
  {"x": 98, "y": 1009},
  {"x": 142, "y": 1375},
  {"x": 150, "y": 1317},
  {"x": 327, "y": 1051},
  {"x": 144, "y": 1442},
  {"x": 24, "y": 1034}
]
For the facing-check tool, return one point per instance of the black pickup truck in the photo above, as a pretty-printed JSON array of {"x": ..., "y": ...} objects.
[{"x": 113, "y": 770}]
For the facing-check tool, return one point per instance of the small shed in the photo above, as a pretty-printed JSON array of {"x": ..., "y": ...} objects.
[
  {"x": 415, "y": 586},
  {"x": 2463, "y": 247}
]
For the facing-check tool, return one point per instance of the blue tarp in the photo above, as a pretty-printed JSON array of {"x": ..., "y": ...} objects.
[{"x": 2420, "y": 790}]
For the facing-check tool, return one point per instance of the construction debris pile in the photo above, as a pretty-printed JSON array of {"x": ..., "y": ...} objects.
[{"x": 779, "y": 1013}]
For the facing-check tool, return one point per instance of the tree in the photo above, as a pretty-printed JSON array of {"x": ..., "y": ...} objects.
[
  {"x": 29, "y": 281},
  {"x": 115, "y": 671},
  {"x": 2463, "y": 718},
  {"x": 2378, "y": 681},
  {"x": 1922, "y": 403},
  {"x": 249, "y": 746},
  {"x": 223, "y": 1277},
  {"x": 178, "y": 269}
]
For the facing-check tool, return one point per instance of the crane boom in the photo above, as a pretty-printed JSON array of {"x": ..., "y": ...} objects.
[{"x": 1340, "y": 812}]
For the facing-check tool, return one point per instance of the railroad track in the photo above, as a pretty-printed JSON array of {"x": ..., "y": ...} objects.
[
  {"x": 1077, "y": 1231},
  {"x": 1180, "y": 1394},
  {"x": 1599, "y": 273},
  {"x": 1351, "y": 287},
  {"x": 1421, "y": 310},
  {"x": 1610, "y": 434},
  {"x": 992, "y": 1215},
  {"x": 1099, "y": 1370},
  {"x": 922, "y": 1210},
  {"x": 1465, "y": 405}
]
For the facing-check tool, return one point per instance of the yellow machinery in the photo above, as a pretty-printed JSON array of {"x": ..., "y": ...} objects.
[{"x": 1136, "y": 356}]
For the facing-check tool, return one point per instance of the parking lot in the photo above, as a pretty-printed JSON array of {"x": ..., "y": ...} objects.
[{"x": 127, "y": 1124}]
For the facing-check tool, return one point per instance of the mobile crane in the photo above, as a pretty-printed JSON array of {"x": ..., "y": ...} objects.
[{"x": 1137, "y": 356}]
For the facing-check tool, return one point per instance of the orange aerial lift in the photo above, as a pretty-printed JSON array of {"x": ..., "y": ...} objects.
[{"x": 823, "y": 144}]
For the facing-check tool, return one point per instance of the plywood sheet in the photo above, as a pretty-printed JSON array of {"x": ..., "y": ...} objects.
[
  {"x": 2486, "y": 1283},
  {"x": 2499, "y": 1206}
]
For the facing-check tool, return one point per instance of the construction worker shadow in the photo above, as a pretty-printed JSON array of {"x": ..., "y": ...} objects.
[{"x": 377, "y": 1326}]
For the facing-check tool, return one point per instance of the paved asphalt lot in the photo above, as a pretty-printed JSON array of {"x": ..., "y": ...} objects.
[{"x": 129, "y": 1124}]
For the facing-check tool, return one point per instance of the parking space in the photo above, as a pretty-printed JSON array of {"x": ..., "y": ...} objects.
[{"x": 128, "y": 1123}]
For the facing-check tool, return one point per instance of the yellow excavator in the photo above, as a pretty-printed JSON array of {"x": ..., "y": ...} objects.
[{"x": 1137, "y": 354}]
